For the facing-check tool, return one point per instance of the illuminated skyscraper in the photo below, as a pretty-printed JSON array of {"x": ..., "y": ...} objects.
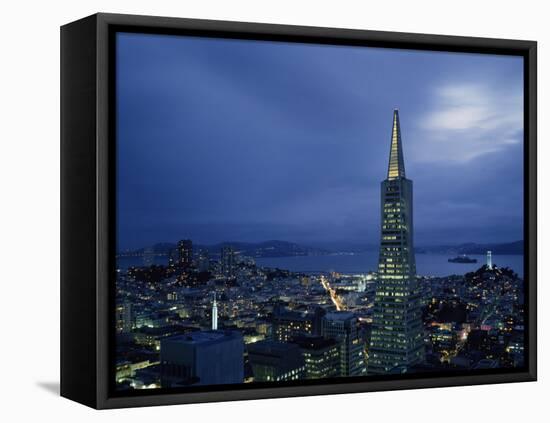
[
  {"x": 228, "y": 261},
  {"x": 342, "y": 326},
  {"x": 321, "y": 356},
  {"x": 396, "y": 339},
  {"x": 171, "y": 263},
  {"x": 125, "y": 317},
  {"x": 185, "y": 252}
]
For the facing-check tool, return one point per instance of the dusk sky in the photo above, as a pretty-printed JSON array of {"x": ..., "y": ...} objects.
[{"x": 234, "y": 140}]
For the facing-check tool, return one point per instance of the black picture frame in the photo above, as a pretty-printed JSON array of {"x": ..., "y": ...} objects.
[{"x": 87, "y": 204}]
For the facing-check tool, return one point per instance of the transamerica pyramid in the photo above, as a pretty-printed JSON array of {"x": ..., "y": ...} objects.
[{"x": 397, "y": 332}]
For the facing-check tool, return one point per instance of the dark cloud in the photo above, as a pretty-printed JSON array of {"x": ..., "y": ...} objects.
[{"x": 242, "y": 140}]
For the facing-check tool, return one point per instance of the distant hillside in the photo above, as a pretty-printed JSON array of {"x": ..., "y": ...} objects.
[
  {"x": 515, "y": 247},
  {"x": 266, "y": 249},
  {"x": 262, "y": 249},
  {"x": 289, "y": 249}
]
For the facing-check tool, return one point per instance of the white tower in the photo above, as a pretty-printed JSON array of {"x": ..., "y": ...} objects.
[
  {"x": 214, "y": 314},
  {"x": 489, "y": 260}
]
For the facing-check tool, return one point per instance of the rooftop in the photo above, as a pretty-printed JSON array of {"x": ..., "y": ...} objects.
[
  {"x": 339, "y": 315},
  {"x": 270, "y": 348},
  {"x": 204, "y": 337},
  {"x": 313, "y": 342}
]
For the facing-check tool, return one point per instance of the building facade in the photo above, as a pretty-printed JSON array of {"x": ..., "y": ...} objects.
[
  {"x": 202, "y": 358},
  {"x": 185, "y": 252},
  {"x": 321, "y": 356},
  {"x": 204, "y": 261},
  {"x": 276, "y": 361},
  {"x": 288, "y": 324},
  {"x": 228, "y": 262},
  {"x": 397, "y": 333},
  {"x": 342, "y": 327},
  {"x": 125, "y": 319}
]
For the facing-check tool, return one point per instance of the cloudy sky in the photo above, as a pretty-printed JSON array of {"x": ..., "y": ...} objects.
[{"x": 233, "y": 140}]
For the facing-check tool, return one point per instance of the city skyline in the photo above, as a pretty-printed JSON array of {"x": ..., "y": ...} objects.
[
  {"x": 274, "y": 324},
  {"x": 308, "y": 142},
  {"x": 247, "y": 141}
]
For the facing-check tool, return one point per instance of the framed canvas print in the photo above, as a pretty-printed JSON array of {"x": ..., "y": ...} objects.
[{"x": 256, "y": 211}]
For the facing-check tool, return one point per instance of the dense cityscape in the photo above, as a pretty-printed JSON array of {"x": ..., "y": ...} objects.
[{"x": 218, "y": 317}]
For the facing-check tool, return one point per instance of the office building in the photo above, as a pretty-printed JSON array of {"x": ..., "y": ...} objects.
[
  {"x": 185, "y": 252},
  {"x": 202, "y": 358},
  {"x": 397, "y": 333},
  {"x": 342, "y": 327},
  {"x": 288, "y": 324},
  {"x": 276, "y": 361},
  {"x": 204, "y": 261},
  {"x": 321, "y": 356},
  {"x": 228, "y": 262},
  {"x": 125, "y": 319}
]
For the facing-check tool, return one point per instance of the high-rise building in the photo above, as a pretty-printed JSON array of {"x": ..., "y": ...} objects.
[
  {"x": 321, "y": 356},
  {"x": 171, "y": 263},
  {"x": 124, "y": 317},
  {"x": 397, "y": 332},
  {"x": 276, "y": 361},
  {"x": 204, "y": 261},
  {"x": 185, "y": 252},
  {"x": 489, "y": 259},
  {"x": 289, "y": 323},
  {"x": 202, "y": 358},
  {"x": 342, "y": 327},
  {"x": 228, "y": 261}
]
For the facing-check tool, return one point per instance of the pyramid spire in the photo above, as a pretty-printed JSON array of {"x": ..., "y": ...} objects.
[{"x": 396, "y": 166}]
